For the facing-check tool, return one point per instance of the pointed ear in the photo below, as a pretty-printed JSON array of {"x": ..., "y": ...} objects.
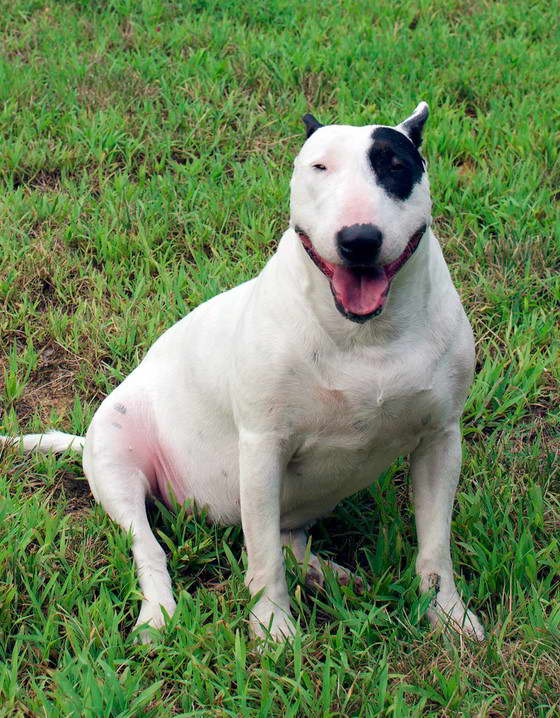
[
  {"x": 413, "y": 126},
  {"x": 311, "y": 124}
]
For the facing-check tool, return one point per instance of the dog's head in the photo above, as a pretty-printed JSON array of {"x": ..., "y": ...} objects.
[{"x": 360, "y": 203}]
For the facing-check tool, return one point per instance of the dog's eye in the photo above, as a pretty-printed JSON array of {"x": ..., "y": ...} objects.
[
  {"x": 397, "y": 165},
  {"x": 320, "y": 167}
]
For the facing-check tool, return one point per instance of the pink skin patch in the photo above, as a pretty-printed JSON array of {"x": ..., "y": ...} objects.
[
  {"x": 167, "y": 477},
  {"x": 361, "y": 293},
  {"x": 136, "y": 433},
  {"x": 357, "y": 209}
]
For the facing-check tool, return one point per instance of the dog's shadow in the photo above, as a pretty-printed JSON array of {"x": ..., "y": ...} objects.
[{"x": 370, "y": 532}]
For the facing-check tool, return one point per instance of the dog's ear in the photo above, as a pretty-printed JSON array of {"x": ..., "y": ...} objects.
[
  {"x": 311, "y": 124},
  {"x": 413, "y": 126}
]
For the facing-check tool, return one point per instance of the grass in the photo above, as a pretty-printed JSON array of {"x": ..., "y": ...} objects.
[{"x": 146, "y": 152}]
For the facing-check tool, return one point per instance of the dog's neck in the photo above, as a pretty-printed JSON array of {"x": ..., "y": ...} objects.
[{"x": 407, "y": 302}]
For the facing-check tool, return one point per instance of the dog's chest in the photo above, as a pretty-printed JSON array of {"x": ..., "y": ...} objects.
[
  {"x": 351, "y": 422},
  {"x": 372, "y": 404}
]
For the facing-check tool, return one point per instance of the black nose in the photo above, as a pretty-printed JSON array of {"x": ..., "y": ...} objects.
[{"x": 359, "y": 244}]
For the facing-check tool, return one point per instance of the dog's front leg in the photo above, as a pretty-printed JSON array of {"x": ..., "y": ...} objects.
[
  {"x": 435, "y": 466},
  {"x": 260, "y": 465}
]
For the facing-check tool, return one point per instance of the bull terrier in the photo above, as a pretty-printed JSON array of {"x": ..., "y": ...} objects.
[{"x": 271, "y": 402}]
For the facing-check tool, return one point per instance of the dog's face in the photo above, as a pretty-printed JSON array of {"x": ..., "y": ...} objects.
[{"x": 360, "y": 202}]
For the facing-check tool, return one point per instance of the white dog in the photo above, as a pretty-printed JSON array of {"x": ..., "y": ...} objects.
[{"x": 273, "y": 401}]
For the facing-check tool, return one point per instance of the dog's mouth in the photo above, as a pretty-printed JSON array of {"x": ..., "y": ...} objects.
[{"x": 361, "y": 292}]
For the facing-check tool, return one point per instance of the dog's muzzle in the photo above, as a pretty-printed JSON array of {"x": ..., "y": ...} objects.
[{"x": 360, "y": 290}]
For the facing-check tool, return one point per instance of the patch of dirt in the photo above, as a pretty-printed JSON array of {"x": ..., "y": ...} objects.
[
  {"x": 537, "y": 427},
  {"x": 75, "y": 490},
  {"x": 465, "y": 97},
  {"x": 49, "y": 389},
  {"x": 100, "y": 90},
  {"x": 180, "y": 157},
  {"x": 46, "y": 275},
  {"x": 466, "y": 167},
  {"x": 68, "y": 487},
  {"x": 42, "y": 180}
]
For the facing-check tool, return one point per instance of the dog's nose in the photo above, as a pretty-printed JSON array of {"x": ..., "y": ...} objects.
[{"x": 359, "y": 244}]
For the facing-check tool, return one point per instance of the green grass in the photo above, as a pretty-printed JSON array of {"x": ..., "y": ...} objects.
[{"x": 146, "y": 149}]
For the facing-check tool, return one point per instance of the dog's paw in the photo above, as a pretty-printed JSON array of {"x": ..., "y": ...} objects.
[
  {"x": 315, "y": 576},
  {"x": 269, "y": 620},
  {"x": 151, "y": 617},
  {"x": 347, "y": 577},
  {"x": 451, "y": 615}
]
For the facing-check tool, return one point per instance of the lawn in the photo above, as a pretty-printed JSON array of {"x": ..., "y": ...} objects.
[{"x": 146, "y": 149}]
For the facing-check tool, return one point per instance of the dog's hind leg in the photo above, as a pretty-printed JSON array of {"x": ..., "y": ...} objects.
[
  {"x": 121, "y": 489},
  {"x": 314, "y": 566}
]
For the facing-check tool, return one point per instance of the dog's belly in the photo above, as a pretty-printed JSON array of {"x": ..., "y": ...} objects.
[{"x": 326, "y": 471}]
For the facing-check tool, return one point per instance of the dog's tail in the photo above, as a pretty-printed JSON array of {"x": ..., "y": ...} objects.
[{"x": 55, "y": 441}]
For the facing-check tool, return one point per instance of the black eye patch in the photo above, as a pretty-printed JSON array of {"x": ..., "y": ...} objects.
[{"x": 395, "y": 161}]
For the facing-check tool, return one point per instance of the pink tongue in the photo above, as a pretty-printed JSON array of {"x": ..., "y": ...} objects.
[{"x": 360, "y": 292}]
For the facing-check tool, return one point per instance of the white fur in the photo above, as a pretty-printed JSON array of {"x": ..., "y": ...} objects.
[{"x": 266, "y": 406}]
